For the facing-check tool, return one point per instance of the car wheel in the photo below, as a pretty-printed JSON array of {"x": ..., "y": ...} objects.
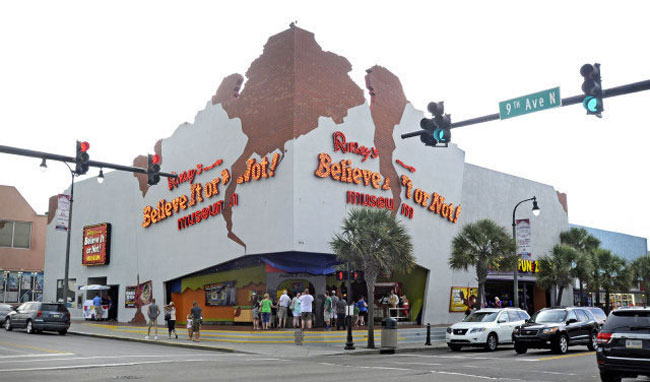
[
  {"x": 593, "y": 342},
  {"x": 521, "y": 348},
  {"x": 63, "y": 332},
  {"x": 608, "y": 376},
  {"x": 561, "y": 345},
  {"x": 29, "y": 327},
  {"x": 492, "y": 342},
  {"x": 8, "y": 326},
  {"x": 454, "y": 347}
]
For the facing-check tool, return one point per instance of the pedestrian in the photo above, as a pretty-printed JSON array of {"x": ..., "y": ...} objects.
[
  {"x": 497, "y": 302},
  {"x": 265, "y": 309},
  {"x": 393, "y": 300},
  {"x": 295, "y": 310},
  {"x": 256, "y": 311},
  {"x": 97, "y": 304},
  {"x": 327, "y": 311},
  {"x": 283, "y": 307},
  {"x": 153, "y": 312},
  {"x": 197, "y": 320},
  {"x": 363, "y": 311},
  {"x": 341, "y": 306},
  {"x": 170, "y": 317},
  {"x": 189, "y": 326},
  {"x": 335, "y": 301},
  {"x": 305, "y": 308}
]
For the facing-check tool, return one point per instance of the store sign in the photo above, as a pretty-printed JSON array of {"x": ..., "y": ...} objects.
[
  {"x": 96, "y": 247},
  {"x": 530, "y": 266},
  {"x": 129, "y": 297},
  {"x": 367, "y": 200},
  {"x": 62, "y": 215},
  {"x": 522, "y": 229},
  {"x": 143, "y": 292},
  {"x": 433, "y": 202},
  {"x": 341, "y": 143},
  {"x": 463, "y": 298}
]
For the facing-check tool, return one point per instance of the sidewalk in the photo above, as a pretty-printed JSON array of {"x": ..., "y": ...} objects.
[{"x": 278, "y": 342}]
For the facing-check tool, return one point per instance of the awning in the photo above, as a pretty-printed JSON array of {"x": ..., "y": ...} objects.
[
  {"x": 303, "y": 262},
  {"x": 510, "y": 277}
]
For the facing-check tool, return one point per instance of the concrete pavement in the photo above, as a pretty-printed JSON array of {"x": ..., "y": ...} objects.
[{"x": 271, "y": 343}]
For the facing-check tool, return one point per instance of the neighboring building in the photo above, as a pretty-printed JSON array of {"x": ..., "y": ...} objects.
[
  {"x": 267, "y": 176},
  {"x": 628, "y": 247},
  {"x": 22, "y": 248}
]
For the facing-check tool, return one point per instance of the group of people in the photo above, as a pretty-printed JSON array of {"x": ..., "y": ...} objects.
[
  {"x": 301, "y": 309},
  {"x": 98, "y": 303},
  {"x": 194, "y": 320}
]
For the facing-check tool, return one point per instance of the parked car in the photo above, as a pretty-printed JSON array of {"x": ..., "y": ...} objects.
[
  {"x": 557, "y": 329},
  {"x": 624, "y": 345},
  {"x": 485, "y": 327},
  {"x": 4, "y": 310},
  {"x": 598, "y": 313},
  {"x": 37, "y": 316}
]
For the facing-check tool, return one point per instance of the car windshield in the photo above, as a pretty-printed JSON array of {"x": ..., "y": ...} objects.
[
  {"x": 481, "y": 317},
  {"x": 628, "y": 321},
  {"x": 52, "y": 308},
  {"x": 548, "y": 316}
]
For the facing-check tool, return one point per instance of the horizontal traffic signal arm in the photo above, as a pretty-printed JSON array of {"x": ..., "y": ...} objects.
[
  {"x": 612, "y": 92},
  {"x": 63, "y": 158}
]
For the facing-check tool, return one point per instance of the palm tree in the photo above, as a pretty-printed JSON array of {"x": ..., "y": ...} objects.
[
  {"x": 374, "y": 242},
  {"x": 641, "y": 267},
  {"x": 484, "y": 245},
  {"x": 615, "y": 275},
  {"x": 582, "y": 267},
  {"x": 555, "y": 270}
]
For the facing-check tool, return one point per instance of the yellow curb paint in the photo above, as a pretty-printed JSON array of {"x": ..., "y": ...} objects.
[{"x": 566, "y": 356}]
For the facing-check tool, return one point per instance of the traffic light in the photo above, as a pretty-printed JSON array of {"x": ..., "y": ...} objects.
[
  {"x": 343, "y": 275},
  {"x": 429, "y": 125},
  {"x": 592, "y": 87},
  {"x": 81, "y": 159},
  {"x": 438, "y": 128},
  {"x": 153, "y": 169}
]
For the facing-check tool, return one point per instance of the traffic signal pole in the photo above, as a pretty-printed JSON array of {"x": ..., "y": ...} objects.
[{"x": 612, "y": 92}]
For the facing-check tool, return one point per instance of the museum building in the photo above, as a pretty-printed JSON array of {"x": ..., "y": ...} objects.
[{"x": 268, "y": 171}]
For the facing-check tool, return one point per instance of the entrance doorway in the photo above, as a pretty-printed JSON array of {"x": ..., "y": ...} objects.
[{"x": 113, "y": 293}]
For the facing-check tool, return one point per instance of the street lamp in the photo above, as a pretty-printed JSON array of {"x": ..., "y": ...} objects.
[
  {"x": 536, "y": 212},
  {"x": 43, "y": 165},
  {"x": 349, "y": 343},
  {"x": 100, "y": 177}
]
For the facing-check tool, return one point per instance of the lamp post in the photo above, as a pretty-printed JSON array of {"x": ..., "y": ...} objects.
[
  {"x": 514, "y": 236},
  {"x": 349, "y": 343},
  {"x": 67, "y": 244}
]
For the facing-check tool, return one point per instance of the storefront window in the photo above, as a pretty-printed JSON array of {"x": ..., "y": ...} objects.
[
  {"x": 72, "y": 285},
  {"x": 15, "y": 234}
]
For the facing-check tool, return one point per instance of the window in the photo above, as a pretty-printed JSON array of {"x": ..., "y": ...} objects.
[
  {"x": 503, "y": 317},
  {"x": 572, "y": 316},
  {"x": 582, "y": 316},
  {"x": 15, "y": 234},
  {"x": 72, "y": 285},
  {"x": 514, "y": 316}
]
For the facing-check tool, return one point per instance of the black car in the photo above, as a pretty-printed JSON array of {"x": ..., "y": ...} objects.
[
  {"x": 624, "y": 345},
  {"x": 36, "y": 316},
  {"x": 557, "y": 329},
  {"x": 598, "y": 313}
]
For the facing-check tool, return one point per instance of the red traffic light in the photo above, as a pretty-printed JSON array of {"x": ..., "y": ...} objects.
[
  {"x": 84, "y": 146},
  {"x": 355, "y": 276},
  {"x": 155, "y": 159}
]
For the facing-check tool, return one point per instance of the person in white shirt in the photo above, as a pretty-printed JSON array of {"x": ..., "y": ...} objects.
[
  {"x": 283, "y": 307},
  {"x": 305, "y": 307}
]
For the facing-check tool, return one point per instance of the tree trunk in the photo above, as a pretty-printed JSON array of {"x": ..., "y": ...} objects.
[
  {"x": 582, "y": 293},
  {"x": 597, "y": 290},
  {"x": 647, "y": 294},
  {"x": 481, "y": 294},
  {"x": 559, "y": 295},
  {"x": 607, "y": 304},
  {"x": 370, "y": 284}
]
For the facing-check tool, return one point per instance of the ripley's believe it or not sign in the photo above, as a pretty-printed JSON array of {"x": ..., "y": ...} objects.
[{"x": 96, "y": 248}]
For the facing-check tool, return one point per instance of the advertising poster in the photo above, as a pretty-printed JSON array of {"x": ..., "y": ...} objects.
[
  {"x": 129, "y": 298},
  {"x": 523, "y": 237},
  {"x": 12, "y": 285},
  {"x": 62, "y": 214},
  {"x": 26, "y": 283},
  {"x": 144, "y": 292},
  {"x": 96, "y": 244},
  {"x": 221, "y": 294},
  {"x": 463, "y": 298},
  {"x": 39, "y": 282}
]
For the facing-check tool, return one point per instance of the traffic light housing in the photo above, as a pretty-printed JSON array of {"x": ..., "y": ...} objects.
[
  {"x": 429, "y": 125},
  {"x": 82, "y": 158},
  {"x": 153, "y": 169},
  {"x": 438, "y": 128},
  {"x": 343, "y": 275},
  {"x": 592, "y": 87}
]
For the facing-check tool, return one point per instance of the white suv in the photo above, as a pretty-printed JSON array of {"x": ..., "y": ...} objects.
[{"x": 486, "y": 327}]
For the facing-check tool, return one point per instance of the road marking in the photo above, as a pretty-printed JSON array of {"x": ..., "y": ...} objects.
[
  {"x": 33, "y": 356},
  {"x": 91, "y": 366},
  {"x": 15, "y": 359},
  {"x": 31, "y": 348},
  {"x": 471, "y": 356},
  {"x": 476, "y": 376},
  {"x": 418, "y": 363},
  {"x": 566, "y": 356}
]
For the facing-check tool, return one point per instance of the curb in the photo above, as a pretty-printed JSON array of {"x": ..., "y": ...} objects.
[
  {"x": 435, "y": 345},
  {"x": 164, "y": 343}
]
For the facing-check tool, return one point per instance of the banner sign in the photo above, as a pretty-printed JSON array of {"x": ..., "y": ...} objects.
[
  {"x": 523, "y": 237},
  {"x": 96, "y": 244},
  {"x": 220, "y": 294},
  {"x": 62, "y": 215},
  {"x": 143, "y": 292},
  {"x": 129, "y": 297},
  {"x": 463, "y": 298}
]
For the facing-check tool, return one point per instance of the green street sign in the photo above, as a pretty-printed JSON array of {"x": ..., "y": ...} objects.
[{"x": 530, "y": 103}]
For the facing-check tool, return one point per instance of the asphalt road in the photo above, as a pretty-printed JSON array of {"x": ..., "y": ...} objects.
[{"x": 50, "y": 357}]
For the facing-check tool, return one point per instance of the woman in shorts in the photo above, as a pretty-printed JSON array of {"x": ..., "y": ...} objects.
[
  {"x": 295, "y": 310},
  {"x": 265, "y": 309},
  {"x": 256, "y": 312}
]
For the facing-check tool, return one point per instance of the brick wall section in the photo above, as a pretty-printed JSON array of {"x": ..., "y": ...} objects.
[
  {"x": 561, "y": 196},
  {"x": 387, "y": 103},
  {"x": 291, "y": 85}
]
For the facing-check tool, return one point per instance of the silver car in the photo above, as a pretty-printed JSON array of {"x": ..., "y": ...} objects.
[
  {"x": 4, "y": 310},
  {"x": 37, "y": 316}
]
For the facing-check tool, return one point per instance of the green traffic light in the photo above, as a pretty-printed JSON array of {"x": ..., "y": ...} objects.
[{"x": 590, "y": 103}]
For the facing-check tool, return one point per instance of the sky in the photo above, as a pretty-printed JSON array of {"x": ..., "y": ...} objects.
[{"x": 123, "y": 74}]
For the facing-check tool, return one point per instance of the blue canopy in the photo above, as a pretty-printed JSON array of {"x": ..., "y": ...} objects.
[{"x": 303, "y": 262}]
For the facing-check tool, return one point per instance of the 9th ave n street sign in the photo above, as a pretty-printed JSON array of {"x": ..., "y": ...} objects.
[{"x": 530, "y": 103}]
